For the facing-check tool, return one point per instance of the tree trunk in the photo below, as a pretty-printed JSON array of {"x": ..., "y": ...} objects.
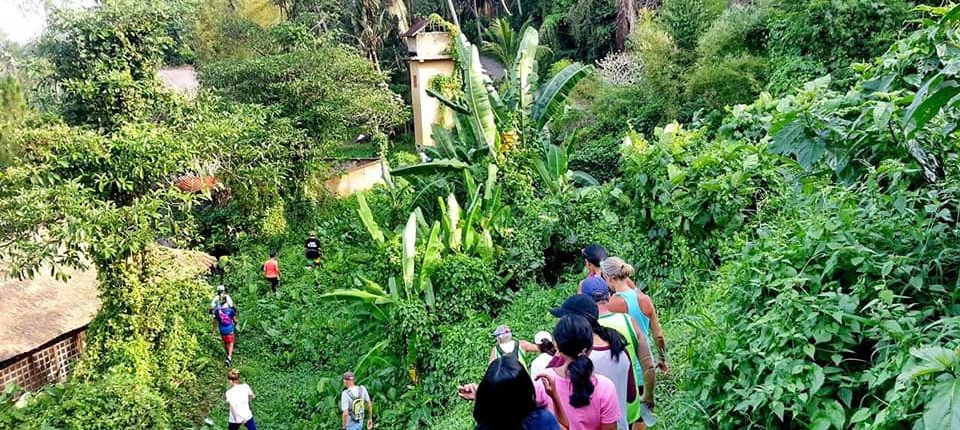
[{"x": 626, "y": 19}]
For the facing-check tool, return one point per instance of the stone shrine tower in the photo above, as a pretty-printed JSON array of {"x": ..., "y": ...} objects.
[{"x": 428, "y": 46}]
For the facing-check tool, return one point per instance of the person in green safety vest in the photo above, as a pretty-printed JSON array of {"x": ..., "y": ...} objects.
[{"x": 507, "y": 346}]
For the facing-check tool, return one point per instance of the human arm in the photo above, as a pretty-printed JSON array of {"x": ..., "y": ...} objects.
[
  {"x": 656, "y": 331},
  {"x": 549, "y": 383},
  {"x": 618, "y": 305},
  {"x": 344, "y": 419},
  {"x": 529, "y": 346},
  {"x": 366, "y": 394},
  {"x": 493, "y": 355},
  {"x": 646, "y": 361}
]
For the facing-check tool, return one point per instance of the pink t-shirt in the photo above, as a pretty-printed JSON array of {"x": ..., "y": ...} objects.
[{"x": 604, "y": 407}]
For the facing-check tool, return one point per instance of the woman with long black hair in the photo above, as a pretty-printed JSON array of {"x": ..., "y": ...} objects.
[{"x": 506, "y": 399}]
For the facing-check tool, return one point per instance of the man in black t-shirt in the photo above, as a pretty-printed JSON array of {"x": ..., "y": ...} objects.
[{"x": 312, "y": 250}]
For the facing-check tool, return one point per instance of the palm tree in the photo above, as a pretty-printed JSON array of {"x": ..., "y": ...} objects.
[{"x": 370, "y": 25}]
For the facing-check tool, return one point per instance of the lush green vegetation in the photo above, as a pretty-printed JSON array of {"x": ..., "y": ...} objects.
[{"x": 781, "y": 174}]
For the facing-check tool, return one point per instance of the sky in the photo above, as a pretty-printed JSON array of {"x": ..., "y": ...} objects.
[{"x": 23, "y": 20}]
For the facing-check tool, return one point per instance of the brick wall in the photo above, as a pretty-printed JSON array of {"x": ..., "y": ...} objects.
[{"x": 48, "y": 364}]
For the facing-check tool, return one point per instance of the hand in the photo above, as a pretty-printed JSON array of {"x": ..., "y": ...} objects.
[
  {"x": 549, "y": 383},
  {"x": 664, "y": 368},
  {"x": 369, "y": 423},
  {"x": 467, "y": 392},
  {"x": 650, "y": 403}
]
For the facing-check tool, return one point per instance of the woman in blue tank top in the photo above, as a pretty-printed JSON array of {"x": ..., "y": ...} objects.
[{"x": 629, "y": 300}]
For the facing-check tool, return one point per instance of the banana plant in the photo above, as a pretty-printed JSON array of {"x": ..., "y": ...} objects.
[
  {"x": 488, "y": 121},
  {"x": 554, "y": 171},
  {"x": 470, "y": 231}
]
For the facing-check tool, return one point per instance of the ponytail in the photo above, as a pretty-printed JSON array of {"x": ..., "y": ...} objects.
[
  {"x": 574, "y": 337},
  {"x": 581, "y": 377},
  {"x": 547, "y": 347},
  {"x": 617, "y": 342}
]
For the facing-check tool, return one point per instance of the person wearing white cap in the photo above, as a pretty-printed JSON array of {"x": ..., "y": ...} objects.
[
  {"x": 506, "y": 346},
  {"x": 545, "y": 345}
]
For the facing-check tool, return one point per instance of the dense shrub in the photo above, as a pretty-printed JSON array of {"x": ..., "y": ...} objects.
[
  {"x": 686, "y": 20},
  {"x": 738, "y": 30},
  {"x": 812, "y": 35},
  {"x": 718, "y": 83},
  {"x": 466, "y": 285}
]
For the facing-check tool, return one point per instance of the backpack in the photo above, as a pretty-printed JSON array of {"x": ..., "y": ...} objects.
[
  {"x": 223, "y": 317},
  {"x": 356, "y": 408}
]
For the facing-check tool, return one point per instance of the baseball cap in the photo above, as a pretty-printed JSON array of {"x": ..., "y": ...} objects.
[
  {"x": 596, "y": 288},
  {"x": 347, "y": 376},
  {"x": 542, "y": 336},
  {"x": 221, "y": 288},
  {"x": 501, "y": 330},
  {"x": 578, "y": 304}
]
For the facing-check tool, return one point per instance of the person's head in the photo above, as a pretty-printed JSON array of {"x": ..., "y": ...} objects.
[
  {"x": 313, "y": 234},
  {"x": 595, "y": 295},
  {"x": 597, "y": 289},
  {"x": 273, "y": 254},
  {"x": 348, "y": 379},
  {"x": 578, "y": 304},
  {"x": 502, "y": 334},
  {"x": 221, "y": 290},
  {"x": 593, "y": 255},
  {"x": 233, "y": 376},
  {"x": 505, "y": 396},
  {"x": 574, "y": 337},
  {"x": 615, "y": 270},
  {"x": 544, "y": 341}
]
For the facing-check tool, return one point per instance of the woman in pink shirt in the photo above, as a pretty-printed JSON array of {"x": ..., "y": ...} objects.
[{"x": 588, "y": 401}]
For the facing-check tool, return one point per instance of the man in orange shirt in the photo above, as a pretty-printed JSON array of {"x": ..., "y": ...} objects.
[{"x": 271, "y": 271}]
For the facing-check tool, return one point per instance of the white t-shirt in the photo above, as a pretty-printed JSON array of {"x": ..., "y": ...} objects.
[
  {"x": 238, "y": 397},
  {"x": 539, "y": 364}
]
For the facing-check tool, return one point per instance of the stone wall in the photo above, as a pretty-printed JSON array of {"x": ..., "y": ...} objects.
[{"x": 48, "y": 364}]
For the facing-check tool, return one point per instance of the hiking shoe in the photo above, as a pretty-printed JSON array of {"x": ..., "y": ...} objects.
[{"x": 228, "y": 362}]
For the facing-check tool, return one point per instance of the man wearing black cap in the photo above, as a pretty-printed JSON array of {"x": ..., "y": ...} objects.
[{"x": 352, "y": 401}]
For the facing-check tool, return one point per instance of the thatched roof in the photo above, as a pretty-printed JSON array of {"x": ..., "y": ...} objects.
[{"x": 34, "y": 312}]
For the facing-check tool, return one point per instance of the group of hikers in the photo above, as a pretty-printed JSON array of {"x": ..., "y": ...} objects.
[{"x": 595, "y": 371}]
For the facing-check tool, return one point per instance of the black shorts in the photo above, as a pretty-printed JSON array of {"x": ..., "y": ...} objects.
[{"x": 274, "y": 282}]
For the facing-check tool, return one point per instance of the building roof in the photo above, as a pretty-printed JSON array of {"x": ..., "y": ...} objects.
[
  {"x": 34, "y": 312},
  {"x": 418, "y": 26}
]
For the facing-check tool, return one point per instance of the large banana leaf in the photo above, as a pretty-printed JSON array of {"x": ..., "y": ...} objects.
[
  {"x": 492, "y": 171},
  {"x": 436, "y": 166},
  {"x": 585, "y": 179},
  {"x": 409, "y": 252},
  {"x": 475, "y": 97},
  {"x": 365, "y": 296},
  {"x": 430, "y": 262},
  {"x": 453, "y": 220},
  {"x": 366, "y": 217},
  {"x": 524, "y": 74},
  {"x": 457, "y": 107},
  {"x": 548, "y": 178},
  {"x": 554, "y": 95}
]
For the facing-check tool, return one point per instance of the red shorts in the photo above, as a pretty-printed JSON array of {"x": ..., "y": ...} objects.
[{"x": 228, "y": 338}]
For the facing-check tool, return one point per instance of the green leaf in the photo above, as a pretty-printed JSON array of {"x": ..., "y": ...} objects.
[
  {"x": 457, "y": 107},
  {"x": 924, "y": 107},
  {"x": 409, "y": 251},
  {"x": 943, "y": 411},
  {"x": 366, "y": 217},
  {"x": 524, "y": 75},
  {"x": 554, "y": 95},
  {"x": 861, "y": 415},
  {"x": 475, "y": 96},
  {"x": 818, "y": 378}
]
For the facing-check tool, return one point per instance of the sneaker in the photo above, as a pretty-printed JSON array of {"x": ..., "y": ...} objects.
[{"x": 228, "y": 362}]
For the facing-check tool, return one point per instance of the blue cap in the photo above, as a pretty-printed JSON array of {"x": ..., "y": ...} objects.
[{"x": 596, "y": 288}]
